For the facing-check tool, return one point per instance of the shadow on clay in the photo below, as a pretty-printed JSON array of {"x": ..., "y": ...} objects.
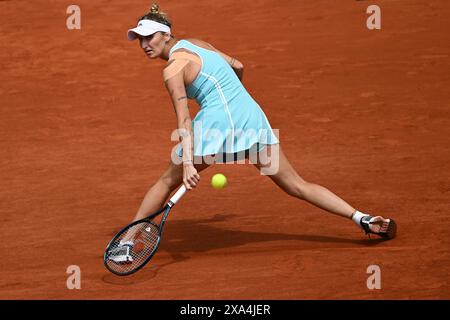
[{"x": 182, "y": 237}]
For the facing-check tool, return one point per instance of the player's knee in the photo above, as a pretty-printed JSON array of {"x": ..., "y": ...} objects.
[
  {"x": 298, "y": 189},
  {"x": 170, "y": 181}
]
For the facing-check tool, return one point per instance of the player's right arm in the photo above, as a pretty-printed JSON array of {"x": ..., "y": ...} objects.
[{"x": 174, "y": 82}]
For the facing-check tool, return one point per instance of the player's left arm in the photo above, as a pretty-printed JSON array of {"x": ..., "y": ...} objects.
[{"x": 237, "y": 66}]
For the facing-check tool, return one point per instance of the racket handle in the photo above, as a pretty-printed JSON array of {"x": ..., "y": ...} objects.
[{"x": 177, "y": 196}]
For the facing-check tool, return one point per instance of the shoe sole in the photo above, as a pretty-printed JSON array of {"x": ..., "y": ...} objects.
[{"x": 391, "y": 230}]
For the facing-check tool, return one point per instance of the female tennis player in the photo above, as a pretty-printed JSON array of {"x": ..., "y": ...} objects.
[{"x": 197, "y": 70}]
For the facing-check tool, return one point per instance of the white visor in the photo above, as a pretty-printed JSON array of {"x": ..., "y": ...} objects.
[{"x": 145, "y": 28}]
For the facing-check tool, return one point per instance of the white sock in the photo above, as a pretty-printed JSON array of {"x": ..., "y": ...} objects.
[{"x": 357, "y": 217}]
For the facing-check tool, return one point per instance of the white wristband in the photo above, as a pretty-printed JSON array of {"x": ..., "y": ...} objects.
[{"x": 357, "y": 217}]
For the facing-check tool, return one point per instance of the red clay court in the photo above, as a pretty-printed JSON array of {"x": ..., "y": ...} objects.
[{"x": 85, "y": 130}]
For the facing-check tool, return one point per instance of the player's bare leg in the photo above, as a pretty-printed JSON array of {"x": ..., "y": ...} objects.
[
  {"x": 289, "y": 180},
  {"x": 160, "y": 191},
  {"x": 158, "y": 194}
]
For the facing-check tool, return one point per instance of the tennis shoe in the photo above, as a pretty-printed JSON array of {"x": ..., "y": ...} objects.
[
  {"x": 121, "y": 254},
  {"x": 385, "y": 228}
]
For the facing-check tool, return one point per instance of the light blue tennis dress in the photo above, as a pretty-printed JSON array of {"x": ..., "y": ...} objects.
[{"x": 229, "y": 119}]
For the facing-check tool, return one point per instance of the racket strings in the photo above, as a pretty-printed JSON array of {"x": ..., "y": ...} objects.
[{"x": 133, "y": 247}]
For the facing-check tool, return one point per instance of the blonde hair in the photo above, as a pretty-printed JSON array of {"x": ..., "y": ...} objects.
[{"x": 156, "y": 15}]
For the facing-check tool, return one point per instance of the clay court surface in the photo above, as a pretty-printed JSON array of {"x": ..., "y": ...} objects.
[{"x": 85, "y": 130}]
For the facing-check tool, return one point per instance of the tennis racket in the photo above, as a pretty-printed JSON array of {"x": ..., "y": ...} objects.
[{"x": 135, "y": 245}]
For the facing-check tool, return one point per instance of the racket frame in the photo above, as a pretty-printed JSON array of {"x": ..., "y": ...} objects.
[{"x": 166, "y": 209}]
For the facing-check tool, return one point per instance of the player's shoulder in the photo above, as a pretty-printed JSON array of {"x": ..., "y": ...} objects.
[
  {"x": 186, "y": 54},
  {"x": 200, "y": 43}
]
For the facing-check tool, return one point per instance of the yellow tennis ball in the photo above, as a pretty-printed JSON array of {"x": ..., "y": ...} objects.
[{"x": 218, "y": 181}]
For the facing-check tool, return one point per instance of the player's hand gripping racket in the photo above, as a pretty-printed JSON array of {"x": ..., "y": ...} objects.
[{"x": 136, "y": 244}]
